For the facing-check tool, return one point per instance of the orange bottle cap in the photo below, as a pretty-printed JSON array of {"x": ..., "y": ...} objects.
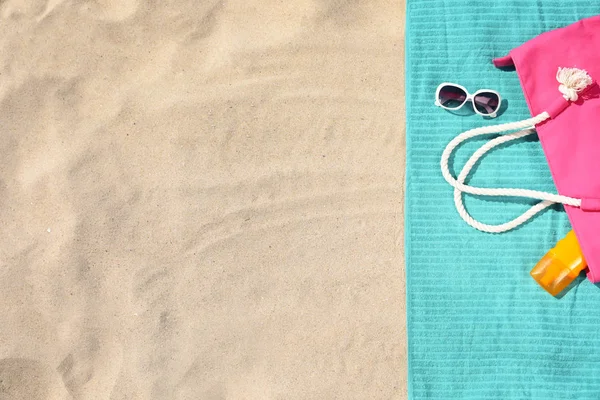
[{"x": 560, "y": 266}]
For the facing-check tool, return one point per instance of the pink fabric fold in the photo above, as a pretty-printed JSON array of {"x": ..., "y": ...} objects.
[{"x": 571, "y": 139}]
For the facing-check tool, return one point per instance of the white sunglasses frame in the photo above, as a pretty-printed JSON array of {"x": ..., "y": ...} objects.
[{"x": 468, "y": 98}]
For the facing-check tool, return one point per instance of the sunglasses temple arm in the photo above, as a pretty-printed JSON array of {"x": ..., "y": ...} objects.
[{"x": 489, "y": 109}]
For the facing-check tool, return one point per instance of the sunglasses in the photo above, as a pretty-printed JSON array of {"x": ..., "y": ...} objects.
[{"x": 451, "y": 96}]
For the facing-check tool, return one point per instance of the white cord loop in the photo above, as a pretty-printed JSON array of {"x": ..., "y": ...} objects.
[{"x": 572, "y": 82}]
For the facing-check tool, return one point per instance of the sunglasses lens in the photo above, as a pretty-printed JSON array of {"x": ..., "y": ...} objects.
[
  {"x": 452, "y": 97},
  {"x": 486, "y": 102}
]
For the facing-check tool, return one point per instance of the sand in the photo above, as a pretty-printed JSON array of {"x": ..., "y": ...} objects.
[{"x": 202, "y": 200}]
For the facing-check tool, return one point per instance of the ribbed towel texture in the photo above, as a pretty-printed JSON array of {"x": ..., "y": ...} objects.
[{"x": 479, "y": 327}]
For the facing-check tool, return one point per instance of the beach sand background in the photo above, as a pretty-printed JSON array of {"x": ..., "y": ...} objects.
[{"x": 202, "y": 200}]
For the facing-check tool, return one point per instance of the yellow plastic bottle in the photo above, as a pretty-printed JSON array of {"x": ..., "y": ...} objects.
[{"x": 560, "y": 266}]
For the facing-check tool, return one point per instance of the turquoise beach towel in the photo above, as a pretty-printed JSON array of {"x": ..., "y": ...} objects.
[{"x": 479, "y": 327}]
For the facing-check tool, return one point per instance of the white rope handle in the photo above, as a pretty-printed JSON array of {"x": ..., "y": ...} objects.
[
  {"x": 572, "y": 82},
  {"x": 458, "y": 197},
  {"x": 459, "y": 186}
]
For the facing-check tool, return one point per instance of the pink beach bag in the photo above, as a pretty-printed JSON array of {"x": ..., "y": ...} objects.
[{"x": 557, "y": 71}]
